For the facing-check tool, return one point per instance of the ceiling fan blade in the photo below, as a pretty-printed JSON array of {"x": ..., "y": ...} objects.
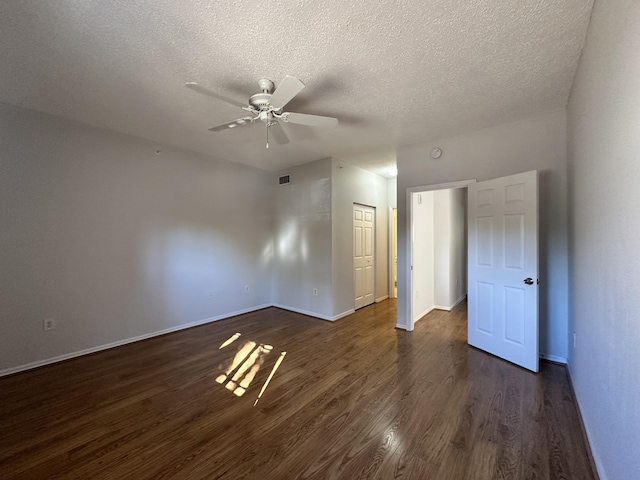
[
  {"x": 288, "y": 88},
  {"x": 205, "y": 91},
  {"x": 236, "y": 123},
  {"x": 310, "y": 120},
  {"x": 278, "y": 133}
]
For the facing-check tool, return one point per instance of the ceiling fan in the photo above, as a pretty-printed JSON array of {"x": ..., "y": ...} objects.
[{"x": 267, "y": 106}]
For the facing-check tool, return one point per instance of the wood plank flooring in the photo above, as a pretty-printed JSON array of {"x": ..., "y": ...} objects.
[{"x": 354, "y": 399}]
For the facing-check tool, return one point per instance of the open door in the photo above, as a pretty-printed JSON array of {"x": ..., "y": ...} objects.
[{"x": 503, "y": 268}]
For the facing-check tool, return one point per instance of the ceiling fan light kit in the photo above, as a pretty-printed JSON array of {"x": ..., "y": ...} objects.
[{"x": 267, "y": 106}]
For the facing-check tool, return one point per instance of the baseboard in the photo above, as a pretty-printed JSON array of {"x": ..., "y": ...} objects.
[
  {"x": 455, "y": 304},
  {"x": 378, "y": 300},
  {"x": 461, "y": 299},
  {"x": 553, "y": 358},
  {"x": 87, "y": 351},
  {"x": 418, "y": 317},
  {"x": 307, "y": 312},
  {"x": 596, "y": 463},
  {"x": 403, "y": 327},
  {"x": 440, "y": 307},
  {"x": 343, "y": 314}
]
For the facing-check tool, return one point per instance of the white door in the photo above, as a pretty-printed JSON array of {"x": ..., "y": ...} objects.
[
  {"x": 395, "y": 253},
  {"x": 363, "y": 254},
  {"x": 503, "y": 268}
]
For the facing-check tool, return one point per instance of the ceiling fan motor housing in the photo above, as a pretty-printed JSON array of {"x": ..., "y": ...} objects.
[{"x": 260, "y": 101}]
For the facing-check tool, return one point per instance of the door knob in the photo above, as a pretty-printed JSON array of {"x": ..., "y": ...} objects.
[{"x": 528, "y": 281}]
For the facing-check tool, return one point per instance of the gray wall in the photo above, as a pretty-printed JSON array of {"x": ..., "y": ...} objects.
[
  {"x": 458, "y": 266},
  {"x": 354, "y": 185},
  {"x": 450, "y": 211},
  {"x": 302, "y": 239},
  {"x": 118, "y": 242},
  {"x": 534, "y": 144},
  {"x": 115, "y": 241},
  {"x": 313, "y": 239},
  {"x": 604, "y": 175}
]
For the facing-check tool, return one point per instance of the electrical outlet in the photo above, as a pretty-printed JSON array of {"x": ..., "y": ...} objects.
[
  {"x": 49, "y": 324},
  {"x": 574, "y": 339},
  {"x": 315, "y": 291},
  {"x": 246, "y": 288}
]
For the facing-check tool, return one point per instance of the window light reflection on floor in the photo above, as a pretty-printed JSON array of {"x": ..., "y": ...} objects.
[{"x": 241, "y": 370}]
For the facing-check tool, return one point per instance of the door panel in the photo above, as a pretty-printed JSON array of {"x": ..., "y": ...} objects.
[
  {"x": 363, "y": 255},
  {"x": 359, "y": 283},
  {"x": 503, "y": 252},
  {"x": 358, "y": 250}
]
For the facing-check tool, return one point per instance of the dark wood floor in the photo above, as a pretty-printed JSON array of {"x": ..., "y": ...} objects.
[{"x": 352, "y": 399}]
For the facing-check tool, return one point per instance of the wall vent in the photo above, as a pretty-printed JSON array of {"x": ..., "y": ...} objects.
[{"x": 284, "y": 180}]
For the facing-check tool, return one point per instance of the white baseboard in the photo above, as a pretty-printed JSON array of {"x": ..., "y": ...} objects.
[
  {"x": 455, "y": 304},
  {"x": 378, "y": 300},
  {"x": 462, "y": 297},
  {"x": 304, "y": 312},
  {"x": 67, "y": 356},
  {"x": 418, "y": 317},
  {"x": 118, "y": 343},
  {"x": 343, "y": 314},
  {"x": 314, "y": 314},
  {"x": 553, "y": 358},
  {"x": 440, "y": 307}
]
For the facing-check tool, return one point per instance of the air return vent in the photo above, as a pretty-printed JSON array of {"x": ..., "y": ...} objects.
[{"x": 284, "y": 180}]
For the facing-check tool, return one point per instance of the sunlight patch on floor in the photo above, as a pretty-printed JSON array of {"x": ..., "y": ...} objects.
[{"x": 238, "y": 373}]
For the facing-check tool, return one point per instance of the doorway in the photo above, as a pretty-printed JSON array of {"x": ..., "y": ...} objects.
[
  {"x": 502, "y": 265},
  {"x": 439, "y": 250}
]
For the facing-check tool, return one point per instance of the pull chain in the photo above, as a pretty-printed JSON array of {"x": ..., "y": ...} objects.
[{"x": 267, "y": 135}]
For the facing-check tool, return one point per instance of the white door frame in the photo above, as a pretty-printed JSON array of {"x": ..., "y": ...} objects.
[
  {"x": 391, "y": 251},
  {"x": 409, "y": 238}
]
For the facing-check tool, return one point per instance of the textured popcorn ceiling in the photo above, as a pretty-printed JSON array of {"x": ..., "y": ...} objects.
[{"x": 393, "y": 72}]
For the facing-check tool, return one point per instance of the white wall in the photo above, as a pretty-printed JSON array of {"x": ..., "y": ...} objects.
[
  {"x": 114, "y": 241},
  {"x": 604, "y": 174},
  {"x": 351, "y": 185},
  {"x": 441, "y": 247},
  {"x": 392, "y": 192},
  {"x": 423, "y": 254},
  {"x": 537, "y": 143},
  {"x": 302, "y": 239}
]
